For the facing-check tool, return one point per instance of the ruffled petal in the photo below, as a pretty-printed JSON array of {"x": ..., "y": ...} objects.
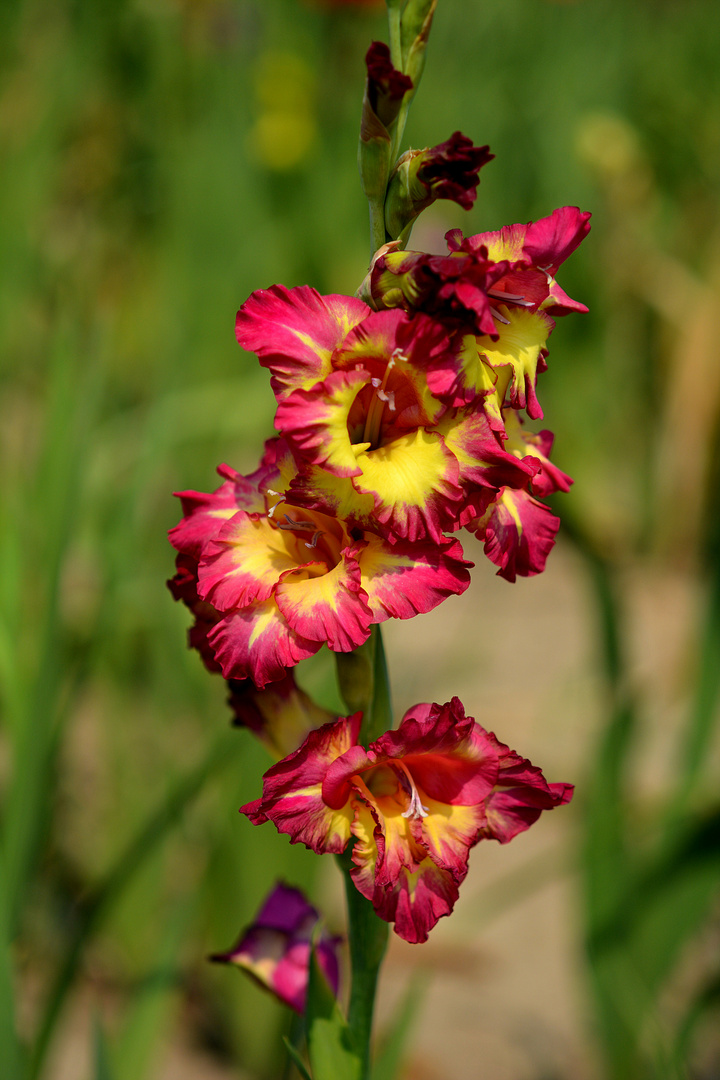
[
  {"x": 549, "y": 241},
  {"x": 520, "y": 795},
  {"x": 295, "y": 331},
  {"x": 316, "y": 421},
  {"x": 413, "y": 480},
  {"x": 521, "y": 347},
  {"x": 326, "y": 604},
  {"x": 481, "y": 458},
  {"x": 519, "y": 533},
  {"x": 316, "y": 489},
  {"x": 257, "y": 643},
  {"x": 462, "y": 376},
  {"x": 205, "y": 514},
  {"x": 403, "y": 580},
  {"x": 244, "y": 563},
  {"x": 292, "y": 790}
]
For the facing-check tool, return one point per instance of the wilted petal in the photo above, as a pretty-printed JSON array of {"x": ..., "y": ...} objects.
[{"x": 282, "y": 715}]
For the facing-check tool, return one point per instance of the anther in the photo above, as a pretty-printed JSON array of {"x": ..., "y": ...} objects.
[
  {"x": 296, "y": 526},
  {"x": 275, "y": 505},
  {"x": 509, "y": 298},
  {"x": 500, "y": 318}
]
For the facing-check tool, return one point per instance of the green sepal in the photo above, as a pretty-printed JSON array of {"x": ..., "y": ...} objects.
[
  {"x": 406, "y": 196},
  {"x": 331, "y": 1047},
  {"x": 373, "y": 155},
  {"x": 415, "y": 28}
]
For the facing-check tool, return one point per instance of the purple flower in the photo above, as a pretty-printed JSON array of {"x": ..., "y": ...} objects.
[{"x": 275, "y": 949}]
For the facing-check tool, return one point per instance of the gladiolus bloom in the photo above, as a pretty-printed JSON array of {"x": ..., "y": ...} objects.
[
  {"x": 373, "y": 444},
  {"x": 416, "y": 801},
  {"x": 273, "y": 581},
  {"x": 275, "y": 950}
]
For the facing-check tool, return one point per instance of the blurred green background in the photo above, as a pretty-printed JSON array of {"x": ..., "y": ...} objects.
[{"x": 161, "y": 159}]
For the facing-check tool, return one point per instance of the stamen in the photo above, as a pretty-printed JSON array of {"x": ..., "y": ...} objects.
[
  {"x": 377, "y": 405},
  {"x": 416, "y": 808},
  {"x": 296, "y": 526},
  {"x": 389, "y": 398},
  {"x": 500, "y": 318},
  {"x": 275, "y": 505},
  {"x": 509, "y": 298},
  {"x": 314, "y": 542}
]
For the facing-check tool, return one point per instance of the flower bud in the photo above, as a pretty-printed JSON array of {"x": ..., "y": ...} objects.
[
  {"x": 447, "y": 171},
  {"x": 385, "y": 89},
  {"x": 276, "y": 949}
]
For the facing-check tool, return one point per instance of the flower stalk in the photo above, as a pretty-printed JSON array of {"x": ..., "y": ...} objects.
[
  {"x": 364, "y": 685},
  {"x": 399, "y": 424}
]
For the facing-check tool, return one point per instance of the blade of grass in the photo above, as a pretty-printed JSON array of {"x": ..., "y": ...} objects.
[
  {"x": 103, "y": 1069},
  {"x": 152, "y": 1002},
  {"x": 387, "y": 1064},
  {"x": 96, "y": 908}
]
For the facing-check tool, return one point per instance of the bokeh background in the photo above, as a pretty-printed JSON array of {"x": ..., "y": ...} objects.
[{"x": 161, "y": 159}]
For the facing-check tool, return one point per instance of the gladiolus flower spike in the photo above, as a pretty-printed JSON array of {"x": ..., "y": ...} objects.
[{"x": 416, "y": 801}]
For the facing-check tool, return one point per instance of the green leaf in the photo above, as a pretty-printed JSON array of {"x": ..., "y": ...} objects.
[
  {"x": 11, "y": 1048},
  {"x": 296, "y": 1059},
  {"x": 707, "y": 999},
  {"x": 332, "y": 1053},
  {"x": 331, "y": 1048},
  {"x": 151, "y": 1004},
  {"x": 223, "y": 752}
]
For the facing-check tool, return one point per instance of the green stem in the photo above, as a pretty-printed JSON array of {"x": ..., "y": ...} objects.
[
  {"x": 395, "y": 28},
  {"x": 364, "y": 684},
  {"x": 367, "y": 937},
  {"x": 378, "y": 235}
]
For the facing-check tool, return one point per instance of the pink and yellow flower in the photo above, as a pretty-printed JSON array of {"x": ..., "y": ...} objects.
[
  {"x": 414, "y": 802},
  {"x": 274, "y": 581},
  {"x": 498, "y": 287},
  {"x": 275, "y": 950},
  {"x": 373, "y": 444}
]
